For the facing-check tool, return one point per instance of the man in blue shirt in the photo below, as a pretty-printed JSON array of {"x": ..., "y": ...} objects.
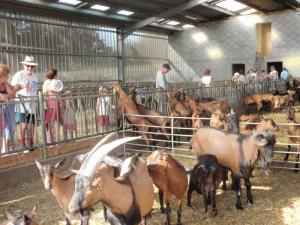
[
  {"x": 161, "y": 83},
  {"x": 285, "y": 75}
]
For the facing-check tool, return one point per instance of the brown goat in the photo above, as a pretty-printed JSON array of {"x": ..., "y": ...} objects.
[
  {"x": 169, "y": 176},
  {"x": 258, "y": 99},
  {"x": 265, "y": 123},
  {"x": 158, "y": 120},
  {"x": 62, "y": 189},
  {"x": 20, "y": 219},
  {"x": 129, "y": 197},
  {"x": 235, "y": 152},
  {"x": 212, "y": 106},
  {"x": 293, "y": 130},
  {"x": 130, "y": 108},
  {"x": 218, "y": 120}
]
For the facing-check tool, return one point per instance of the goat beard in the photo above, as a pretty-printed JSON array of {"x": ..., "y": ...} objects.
[{"x": 263, "y": 164}]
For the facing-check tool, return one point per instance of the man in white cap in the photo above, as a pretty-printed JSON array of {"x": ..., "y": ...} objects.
[{"x": 27, "y": 111}]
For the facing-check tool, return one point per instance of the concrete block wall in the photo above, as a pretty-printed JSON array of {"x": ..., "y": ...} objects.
[{"x": 218, "y": 45}]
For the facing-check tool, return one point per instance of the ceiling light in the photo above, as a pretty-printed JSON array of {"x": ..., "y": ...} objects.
[
  {"x": 188, "y": 26},
  {"x": 231, "y": 5},
  {"x": 249, "y": 11},
  {"x": 71, "y": 2},
  {"x": 125, "y": 12},
  {"x": 173, "y": 23},
  {"x": 100, "y": 7},
  {"x": 160, "y": 20}
]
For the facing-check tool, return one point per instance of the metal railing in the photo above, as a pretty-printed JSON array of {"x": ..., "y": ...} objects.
[{"x": 179, "y": 140}]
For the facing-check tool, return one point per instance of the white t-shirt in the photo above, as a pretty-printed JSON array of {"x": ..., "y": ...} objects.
[
  {"x": 206, "y": 80},
  {"x": 104, "y": 105},
  {"x": 161, "y": 81},
  {"x": 46, "y": 85},
  {"x": 20, "y": 78}
]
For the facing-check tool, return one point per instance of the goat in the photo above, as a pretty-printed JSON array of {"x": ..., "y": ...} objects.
[
  {"x": 218, "y": 119},
  {"x": 130, "y": 108},
  {"x": 212, "y": 106},
  {"x": 158, "y": 120},
  {"x": 265, "y": 123},
  {"x": 20, "y": 219},
  {"x": 205, "y": 179},
  {"x": 169, "y": 176},
  {"x": 293, "y": 130},
  {"x": 128, "y": 198},
  {"x": 258, "y": 99},
  {"x": 236, "y": 152}
]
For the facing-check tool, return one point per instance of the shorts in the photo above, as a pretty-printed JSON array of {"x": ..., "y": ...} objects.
[
  {"x": 27, "y": 118},
  {"x": 103, "y": 120}
]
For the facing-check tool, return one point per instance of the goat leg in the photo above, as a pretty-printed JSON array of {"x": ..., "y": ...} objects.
[
  {"x": 168, "y": 212},
  {"x": 189, "y": 194},
  {"x": 296, "y": 164},
  {"x": 85, "y": 217},
  {"x": 204, "y": 199},
  {"x": 213, "y": 200},
  {"x": 161, "y": 201},
  {"x": 224, "y": 178},
  {"x": 248, "y": 188},
  {"x": 144, "y": 221},
  {"x": 238, "y": 194},
  {"x": 67, "y": 218},
  {"x": 286, "y": 158},
  {"x": 179, "y": 211},
  {"x": 104, "y": 212}
]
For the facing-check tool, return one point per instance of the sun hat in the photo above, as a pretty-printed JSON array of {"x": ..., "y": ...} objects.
[
  {"x": 29, "y": 60},
  {"x": 56, "y": 85}
]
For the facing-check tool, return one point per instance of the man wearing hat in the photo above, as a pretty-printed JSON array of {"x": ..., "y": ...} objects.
[
  {"x": 27, "y": 78},
  {"x": 161, "y": 83}
]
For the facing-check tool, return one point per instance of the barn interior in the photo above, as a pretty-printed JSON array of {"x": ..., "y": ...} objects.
[{"x": 96, "y": 44}]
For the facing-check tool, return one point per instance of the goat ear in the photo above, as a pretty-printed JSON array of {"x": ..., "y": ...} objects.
[
  {"x": 260, "y": 139},
  {"x": 33, "y": 211},
  {"x": 9, "y": 216},
  {"x": 38, "y": 164},
  {"x": 59, "y": 164}
]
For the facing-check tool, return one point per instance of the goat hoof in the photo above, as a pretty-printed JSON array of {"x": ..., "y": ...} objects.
[
  {"x": 224, "y": 187},
  {"x": 240, "y": 207},
  {"x": 285, "y": 159},
  {"x": 215, "y": 212},
  {"x": 163, "y": 210},
  {"x": 250, "y": 201},
  {"x": 191, "y": 206}
]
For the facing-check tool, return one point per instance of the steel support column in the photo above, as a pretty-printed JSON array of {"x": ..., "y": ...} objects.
[{"x": 120, "y": 55}]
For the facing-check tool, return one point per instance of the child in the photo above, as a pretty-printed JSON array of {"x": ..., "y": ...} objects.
[
  {"x": 69, "y": 118},
  {"x": 102, "y": 109},
  {"x": 53, "y": 114}
]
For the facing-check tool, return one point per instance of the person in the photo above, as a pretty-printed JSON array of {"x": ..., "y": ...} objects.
[
  {"x": 273, "y": 74},
  {"x": 242, "y": 78},
  {"x": 53, "y": 114},
  {"x": 51, "y": 74},
  {"x": 27, "y": 110},
  {"x": 235, "y": 77},
  {"x": 69, "y": 116},
  {"x": 285, "y": 75},
  {"x": 161, "y": 83},
  {"x": 103, "y": 109},
  {"x": 6, "y": 92},
  {"x": 206, "y": 78},
  {"x": 264, "y": 75}
]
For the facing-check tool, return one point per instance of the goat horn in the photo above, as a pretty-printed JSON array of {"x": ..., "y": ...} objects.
[
  {"x": 96, "y": 156},
  {"x": 74, "y": 171}
]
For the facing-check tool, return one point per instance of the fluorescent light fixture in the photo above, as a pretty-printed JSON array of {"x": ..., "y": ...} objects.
[
  {"x": 125, "y": 12},
  {"x": 160, "y": 20},
  {"x": 70, "y": 2},
  {"x": 188, "y": 26},
  {"x": 100, "y": 7},
  {"x": 173, "y": 23},
  {"x": 231, "y": 5},
  {"x": 249, "y": 11}
]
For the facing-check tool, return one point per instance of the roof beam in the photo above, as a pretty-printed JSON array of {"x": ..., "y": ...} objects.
[
  {"x": 128, "y": 30},
  {"x": 80, "y": 11},
  {"x": 217, "y": 8},
  {"x": 286, "y": 4},
  {"x": 253, "y": 6}
]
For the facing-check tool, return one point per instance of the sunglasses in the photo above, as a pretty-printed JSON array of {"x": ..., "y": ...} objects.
[{"x": 29, "y": 66}]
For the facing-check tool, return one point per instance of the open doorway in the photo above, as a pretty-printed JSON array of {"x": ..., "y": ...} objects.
[
  {"x": 278, "y": 66},
  {"x": 239, "y": 67}
]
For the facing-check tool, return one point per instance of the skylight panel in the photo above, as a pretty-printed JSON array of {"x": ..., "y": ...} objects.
[
  {"x": 125, "y": 12},
  {"x": 247, "y": 12},
  {"x": 231, "y": 5},
  {"x": 160, "y": 20},
  {"x": 173, "y": 23},
  {"x": 70, "y": 2},
  {"x": 100, "y": 7},
  {"x": 188, "y": 26}
]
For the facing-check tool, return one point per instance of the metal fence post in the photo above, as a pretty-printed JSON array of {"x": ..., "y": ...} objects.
[
  {"x": 123, "y": 124},
  {"x": 172, "y": 134},
  {"x": 43, "y": 124}
]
